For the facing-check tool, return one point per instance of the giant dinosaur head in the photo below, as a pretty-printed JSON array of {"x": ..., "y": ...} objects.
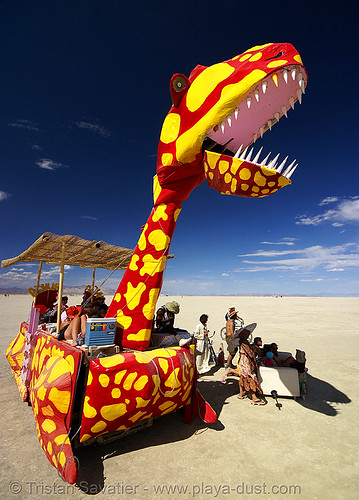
[{"x": 218, "y": 112}]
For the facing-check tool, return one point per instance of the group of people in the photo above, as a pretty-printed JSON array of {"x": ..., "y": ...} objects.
[
  {"x": 165, "y": 334},
  {"x": 73, "y": 318},
  {"x": 251, "y": 356}
]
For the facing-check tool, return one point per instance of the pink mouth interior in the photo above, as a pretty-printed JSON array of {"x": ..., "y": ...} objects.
[{"x": 242, "y": 127}]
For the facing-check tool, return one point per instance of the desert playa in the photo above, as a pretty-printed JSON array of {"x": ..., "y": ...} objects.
[{"x": 307, "y": 449}]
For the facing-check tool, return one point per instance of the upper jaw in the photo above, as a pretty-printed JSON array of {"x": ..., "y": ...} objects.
[{"x": 258, "y": 111}]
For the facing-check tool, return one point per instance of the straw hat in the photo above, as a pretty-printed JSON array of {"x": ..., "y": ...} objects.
[
  {"x": 244, "y": 332},
  {"x": 173, "y": 307}
]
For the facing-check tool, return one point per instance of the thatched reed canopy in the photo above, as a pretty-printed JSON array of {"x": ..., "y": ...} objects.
[{"x": 54, "y": 249}]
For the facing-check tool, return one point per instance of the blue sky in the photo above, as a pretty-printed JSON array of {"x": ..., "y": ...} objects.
[{"x": 83, "y": 94}]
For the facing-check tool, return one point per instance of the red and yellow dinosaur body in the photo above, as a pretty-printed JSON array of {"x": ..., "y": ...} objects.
[{"x": 216, "y": 114}]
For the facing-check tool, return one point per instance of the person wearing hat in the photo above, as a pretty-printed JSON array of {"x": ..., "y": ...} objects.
[
  {"x": 247, "y": 367},
  {"x": 74, "y": 325},
  {"x": 164, "y": 323},
  {"x": 233, "y": 321},
  {"x": 165, "y": 318}
]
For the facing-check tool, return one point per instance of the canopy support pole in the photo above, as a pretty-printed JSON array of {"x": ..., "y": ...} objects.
[
  {"x": 38, "y": 281},
  {"x": 61, "y": 286},
  {"x": 93, "y": 282}
]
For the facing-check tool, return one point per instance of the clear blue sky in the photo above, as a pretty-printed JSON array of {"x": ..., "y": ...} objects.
[{"x": 83, "y": 94}]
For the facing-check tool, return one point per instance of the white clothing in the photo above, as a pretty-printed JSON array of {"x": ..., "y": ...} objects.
[{"x": 202, "y": 346}]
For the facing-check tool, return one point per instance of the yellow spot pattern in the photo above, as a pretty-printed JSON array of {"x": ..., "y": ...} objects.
[
  {"x": 133, "y": 295},
  {"x": 170, "y": 128},
  {"x": 152, "y": 266},
  {"x": 133, "y": 266},
  {"x": 205, "y": 83},
  {"x": 158, "y": 239},
  {"x": 104, "y": 379},
  {"x": 245, "y": 174},
  {"x": 256, "y": 57},
  {"x": 167, "y": 159},
  {"x": 61, "y": 399},
  {"x": 160, "y": 213},
  {"x": 88, "y": 410},
  {"x": 276, "y": 64},
  {"x": 148, "y": 309},
  {"x": 111, "y": 412},
  {"x": 123, "y": 320}
]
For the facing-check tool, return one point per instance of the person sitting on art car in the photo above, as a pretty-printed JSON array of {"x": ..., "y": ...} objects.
[
  {"x": 74, "y": 326},
  {"x": 163, "y": 324}
]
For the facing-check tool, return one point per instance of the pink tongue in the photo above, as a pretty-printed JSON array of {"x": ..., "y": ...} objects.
[{"x": 241, "y": 178}]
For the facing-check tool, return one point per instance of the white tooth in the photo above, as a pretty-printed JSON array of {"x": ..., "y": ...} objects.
[
  {"x": 249, "y": 155},
  {"x": 272, "y": 163},
  {"x": 291, "y": 102},
  {"x": 269, "y": 123},
  {"x": 255, "y": 160},
  {"x": 222, "y": 127},
  {"x": 299, "y": 94},
  {"x": 300, "y": 77},
  {"x": 229, "y": 121},
  {"x": 289, "y": 174},
  {"x": 285, "y": 75},
  {"x": 261, "y": 130},
  {"x": 265, "y": 159},
  {"x": 287, "y": 170},
  {"x": 255, "y": 137},
  {"x": 243, "y": 155},
  {"x": 301, "y": 85},
  {"x": 249, "y": 102},
  {"x": 276, "y": 116},
  {"x": 256, "y": 95},
  {"x": 238, "y": 151},
  {"x": 284, "y": 111},
  {"x": 293, "y": 73},
  {"x": 264, "y": 87},
  {"x": 236, "y": 113},
  {"x": 281, "y": 166}
]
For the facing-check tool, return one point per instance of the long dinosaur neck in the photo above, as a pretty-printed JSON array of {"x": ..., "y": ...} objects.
[{"x": 135, "y": 300}]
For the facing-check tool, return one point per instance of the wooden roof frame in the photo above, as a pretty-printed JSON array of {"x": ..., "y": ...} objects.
[{"x": 54, "y": 249}]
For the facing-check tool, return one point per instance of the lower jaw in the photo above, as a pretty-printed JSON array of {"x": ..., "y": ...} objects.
[{"x": 237, "y": 177}]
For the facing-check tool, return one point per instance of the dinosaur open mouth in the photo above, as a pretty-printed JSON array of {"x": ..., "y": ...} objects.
[{"x": 256, "y": 113}]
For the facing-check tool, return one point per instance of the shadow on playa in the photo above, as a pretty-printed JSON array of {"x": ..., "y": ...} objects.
[
  {"x": 323, "y": 397},
  {"x": 171, "y": 428},
  {"x": 167, "y": 429}
]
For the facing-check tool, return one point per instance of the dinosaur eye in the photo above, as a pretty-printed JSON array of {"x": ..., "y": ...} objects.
[
  {"x": 179, "y": 83},
  {"x": 274, "y": 57}
]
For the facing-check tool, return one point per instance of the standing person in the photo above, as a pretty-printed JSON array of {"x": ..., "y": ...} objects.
[
  {"x": 247, "y": 367},
  {"x": 233, "y": 321},
  {"x": 201, "y": 334}
]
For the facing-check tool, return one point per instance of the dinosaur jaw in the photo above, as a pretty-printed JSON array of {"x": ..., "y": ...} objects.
[{"x": 256, "y": 113}]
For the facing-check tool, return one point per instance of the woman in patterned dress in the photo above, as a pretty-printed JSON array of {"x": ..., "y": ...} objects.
[{"x": 247, "y": 365}]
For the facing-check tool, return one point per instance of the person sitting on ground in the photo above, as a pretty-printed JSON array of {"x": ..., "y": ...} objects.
[
  {"x": 164, "y": 323},
  {"x": 201, "y": 334}
]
